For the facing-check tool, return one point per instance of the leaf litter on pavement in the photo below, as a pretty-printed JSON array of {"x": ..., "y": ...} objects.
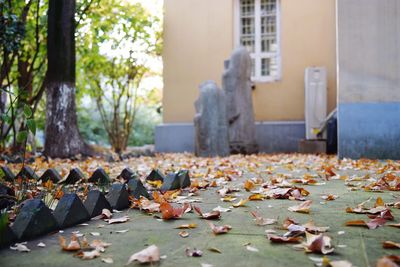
[{"x": 242, "y": 182}]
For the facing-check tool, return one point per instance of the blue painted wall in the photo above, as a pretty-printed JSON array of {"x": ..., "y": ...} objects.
[{"x": 369, "y": 130}]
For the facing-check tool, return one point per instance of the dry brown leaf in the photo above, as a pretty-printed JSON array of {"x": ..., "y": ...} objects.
[
  {"x": 214, "y": 249},
  {"x": 318, "y": 244},
  {"x": 340, "y": 264},
  {"x": 213, "y": 215},
  {"x": 262, "y": 221},
  {"x": 221, "y": 209},
  {"x": 21, "y": 247},
  {"x": 302, "y": 208},
  {"x": 389, "y": 261},
  {"x": 241, "y": 203},
  {"x": 72, "y": 246},
  {"x": 118, "y": 220},
  {"x": 107, "y": 260},
  {"x": 223, "y": 229},
  {"x": 255, "y": 197},
  {"x": 397, "y": 225},
  {"x": 391, "y": 244},
  {"x": 372, "y": 224},
  {"x": 329, "y": 197},
  {"x": 99, "y": 245},
  {"x": 183, "y": 234},
  {"x": 88, "y": 255},
  {"x": 147, "y": 255},
  {"x": 282, "y": 239},
  {"x": 312, "y": 228},
  {"x": 248, "y": 185},
  {"x": 168, "y": 212},
  {"x": 187, "y": 226},
  {"x": 106, "y": 214}
]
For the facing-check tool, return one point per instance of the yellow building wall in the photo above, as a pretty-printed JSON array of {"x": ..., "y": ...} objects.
[{"x": 199, "y": 36}]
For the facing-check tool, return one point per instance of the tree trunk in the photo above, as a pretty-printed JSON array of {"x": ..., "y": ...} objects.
[{"x": 62, "y": 135}]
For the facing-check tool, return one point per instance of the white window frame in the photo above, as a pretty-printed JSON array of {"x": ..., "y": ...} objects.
[{"x": 258, "y": 54}]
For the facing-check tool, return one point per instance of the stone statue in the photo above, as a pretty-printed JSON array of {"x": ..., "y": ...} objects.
[
  {"x": 211, "y": 130},
  {"x": 239, "y": 105}
]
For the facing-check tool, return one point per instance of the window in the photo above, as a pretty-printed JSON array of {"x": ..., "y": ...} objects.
[{"x": 258, "y": 30}]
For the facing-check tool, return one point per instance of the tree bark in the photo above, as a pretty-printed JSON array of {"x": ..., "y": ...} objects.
[{"x": 62, "y": 135}]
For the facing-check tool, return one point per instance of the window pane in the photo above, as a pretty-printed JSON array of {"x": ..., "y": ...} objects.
[
  {"x": 248, "y": 43},
  {"x": 246, "y": 8},
  {"x": 268, "y": 7},
  {"x": 268, "y": 43},
  {"x": 268, "y": 26},
  {"x": 247, "y": 24},
  {"x": 269, "y": 66}
]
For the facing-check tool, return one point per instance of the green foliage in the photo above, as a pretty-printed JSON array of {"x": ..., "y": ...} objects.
[
  {"x": 21, "y": 136},
  {"x": 11, "y": 28},
  {"x": 143, "y": 130},
  {"x": 115, "y": 43}
]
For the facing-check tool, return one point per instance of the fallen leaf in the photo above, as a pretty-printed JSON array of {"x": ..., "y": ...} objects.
[
  {"x": 214, "y": 249},
  {"x": 193, "y": 253},
  {"x": 262, "y": 221},
  {"x": 122, "y": 231},
  {"x": 213, "y": 215},
  {"x": 252, "y": 249},
  {"x": 221, "y": 209},
  {"x": 169, "y": 212},
  {"x": 147, "y": 255},
  {"x": 228, "y": 199},
  {"x": 106, "y": 214},
  {"x": 118, "y": 220},
  {"x": 88, "y": 255},
  {"x": 257, "y": 196},
  {"x": 389, "y": 261},
  {"x": 340, "y": 264},
  {"x": 391, "y": 244},
  {"x": 372, "y": 224},
  {"x": 156, "y": 183},
  {"x": 312, "y": 228},
  {"x": 241, "y": 203},
  {"x": 375, "y": 223},
  {"x": 183, "y": 234},
  {"x": 187, "y": 226},
  {"x": 302, "y": 208},
  {"x": 379, "y": 202},
  {"x": 107, "y": 260},
  {"x": 219, "y": 229},
  {"x": 397, "y": 225},
  {"x": 329, "y": 197},
  {"x": 21, "y": 247},
  {"x": 248, "y": 185},
  {"x": 72, "y": 246},
  {"x": 282, "y": 239},
  {"x": 318, "y": 244},
  {"x": 99, "y": 245},
  {"x": 95, "y": 233}
]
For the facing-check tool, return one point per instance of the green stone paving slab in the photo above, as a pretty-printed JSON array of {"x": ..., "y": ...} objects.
[{"x": 363, "y": 246}]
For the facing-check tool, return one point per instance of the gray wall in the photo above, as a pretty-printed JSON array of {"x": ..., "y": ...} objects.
[
  {"x": 369, "y": 78},
  {"x": 272, "y": 137}
]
